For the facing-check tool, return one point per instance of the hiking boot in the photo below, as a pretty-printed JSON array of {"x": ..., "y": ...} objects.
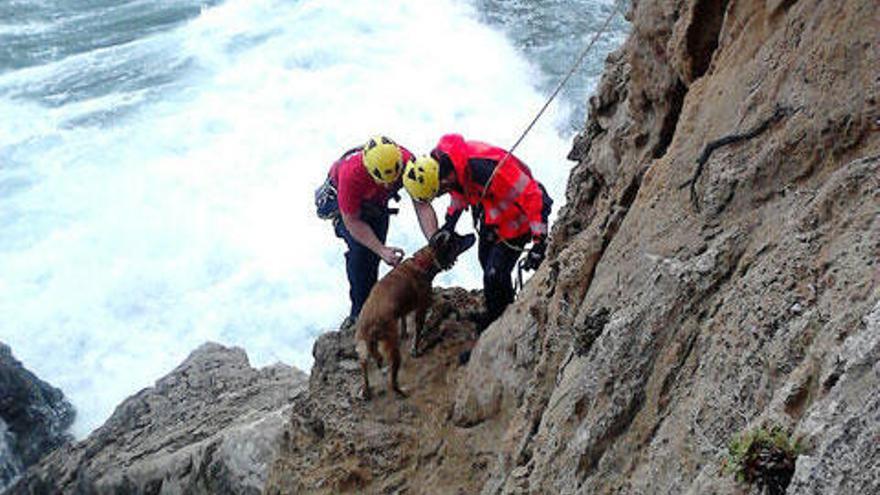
[
  {"x": 482, "y": 321},
  {"x": 347, "y": 323}
]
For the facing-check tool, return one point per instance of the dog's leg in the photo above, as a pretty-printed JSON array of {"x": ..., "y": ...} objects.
[
  {"x": 391, "y": 349},
  {"x": 364, "y": 358},
  {"x": 366, "y": 392},
  {"x": 374, "y": 351},
  {"x": 403, "y": 333},
  {"x": 421, "y": 313},
  {"x": 395, "y": 367}
]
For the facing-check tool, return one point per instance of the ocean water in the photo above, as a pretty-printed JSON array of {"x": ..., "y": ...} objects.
[{"x": 158, "y": 160}]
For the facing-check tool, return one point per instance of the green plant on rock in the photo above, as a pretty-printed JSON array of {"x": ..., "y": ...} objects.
[{"x": 764, "y": 457}]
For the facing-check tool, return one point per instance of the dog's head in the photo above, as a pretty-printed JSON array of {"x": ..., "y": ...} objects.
[{"x": 447, "y": 246}]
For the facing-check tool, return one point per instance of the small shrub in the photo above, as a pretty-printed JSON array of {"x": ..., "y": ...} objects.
[{"x": 763, "y": 457}]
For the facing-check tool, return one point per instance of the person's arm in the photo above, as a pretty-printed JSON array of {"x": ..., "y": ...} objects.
[
  {"x": 457, "y": 205},
  {"x": 537, "y": 211},
  {"x": 363, "y": 233},
  {"x": 532, "y": 201},
  {"x": 451, "y": 220},
  {"x": 427, "y": 217},
  {"x": 350, "y": 207}
]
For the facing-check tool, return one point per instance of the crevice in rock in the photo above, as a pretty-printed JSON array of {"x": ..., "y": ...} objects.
[
  {"x": 629, "y": 194},
  {"x": 612, "y": 222},
  {"x": 796, "y": 403},
  {"x": 589, "y": 460},
  {"x": 702, "y": 35},
  {"x": 205, "y": 466},
  {"x": 782, "y": 7},
  {"x": 153, "y": 487},
  {"x": 583, "y": 189},
  {"x": 675, "y": 97},
  {"x": 583, "y": 142},
  {"x": 590, "y": 330},
  {"x": 672, "y": 377}
]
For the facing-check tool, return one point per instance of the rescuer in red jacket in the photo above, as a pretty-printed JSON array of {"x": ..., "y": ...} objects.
[{"x": 511, "y": 206}]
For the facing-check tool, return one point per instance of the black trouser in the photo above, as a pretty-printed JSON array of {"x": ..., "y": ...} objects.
[
  {"x": 361, "y": 264},
  {"x": 498, "y": 260}
]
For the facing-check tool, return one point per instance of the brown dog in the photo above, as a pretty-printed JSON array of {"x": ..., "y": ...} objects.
[{"x": 404, "y": 289}]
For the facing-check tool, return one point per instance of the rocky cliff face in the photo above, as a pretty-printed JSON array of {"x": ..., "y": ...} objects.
[
  {"x": 211, "y": 426},
  {"x": 714, "y": 271},
  {"x": 34, "y": 417}
]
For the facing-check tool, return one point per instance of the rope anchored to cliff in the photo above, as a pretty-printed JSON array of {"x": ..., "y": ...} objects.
[
  {"x": 577, "y": 63},
  {"x": 571, "y": 71}
]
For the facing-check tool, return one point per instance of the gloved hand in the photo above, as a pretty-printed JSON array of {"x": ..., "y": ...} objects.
[
  {"x": 449, "y": 224},
  {"x": 447, "y": 228},
  {"x": 535, "y": 255}
]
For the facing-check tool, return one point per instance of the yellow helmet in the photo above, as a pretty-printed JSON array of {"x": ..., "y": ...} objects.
[
  {"x": 383, "y": 159},
  {"x": 421, "y": 178}
]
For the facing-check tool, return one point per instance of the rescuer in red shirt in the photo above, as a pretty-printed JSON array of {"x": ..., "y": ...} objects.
[
  {"x": 510, "y": 205},
  {"x": 365, "y": 178}
]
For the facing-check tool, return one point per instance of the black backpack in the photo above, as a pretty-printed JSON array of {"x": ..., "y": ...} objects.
[{"x": 326, "y": 204}]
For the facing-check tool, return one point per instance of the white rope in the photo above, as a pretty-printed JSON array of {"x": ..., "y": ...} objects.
[{"x": 559, "y": 87}]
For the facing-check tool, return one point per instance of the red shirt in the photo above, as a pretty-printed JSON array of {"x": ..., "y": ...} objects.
[{"x": 354, "y": 185}]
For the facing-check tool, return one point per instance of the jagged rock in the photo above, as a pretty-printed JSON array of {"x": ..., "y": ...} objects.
[
  {"x": 336, "y": 442},
  {"x": 844, "y": 427},
  {"x": 34, "y": 417},
  {"x": 681, "y": 303},
  {"x": 210, "y": 426},
  {"x": 717, "y": 317}
]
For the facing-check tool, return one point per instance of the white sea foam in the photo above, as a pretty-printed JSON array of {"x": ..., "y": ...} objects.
[{"x": 128, "y": 240}]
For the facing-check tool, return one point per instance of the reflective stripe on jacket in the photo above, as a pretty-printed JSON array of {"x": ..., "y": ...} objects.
[{"x": 514, "y": 201}]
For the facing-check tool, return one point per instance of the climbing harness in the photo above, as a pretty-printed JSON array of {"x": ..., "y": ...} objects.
[{"x": 519, "y": 279}]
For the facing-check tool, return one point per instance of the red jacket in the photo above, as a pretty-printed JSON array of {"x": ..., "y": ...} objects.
[{"x": 514, "y": 202}]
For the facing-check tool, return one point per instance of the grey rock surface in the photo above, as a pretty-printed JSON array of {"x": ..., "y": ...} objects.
[
  {"x": 845, "y": 426},
  {"x": 211, "y": 426},
  {"x": 10, "y": 462},
  {"x": 34, "y": 417}
]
